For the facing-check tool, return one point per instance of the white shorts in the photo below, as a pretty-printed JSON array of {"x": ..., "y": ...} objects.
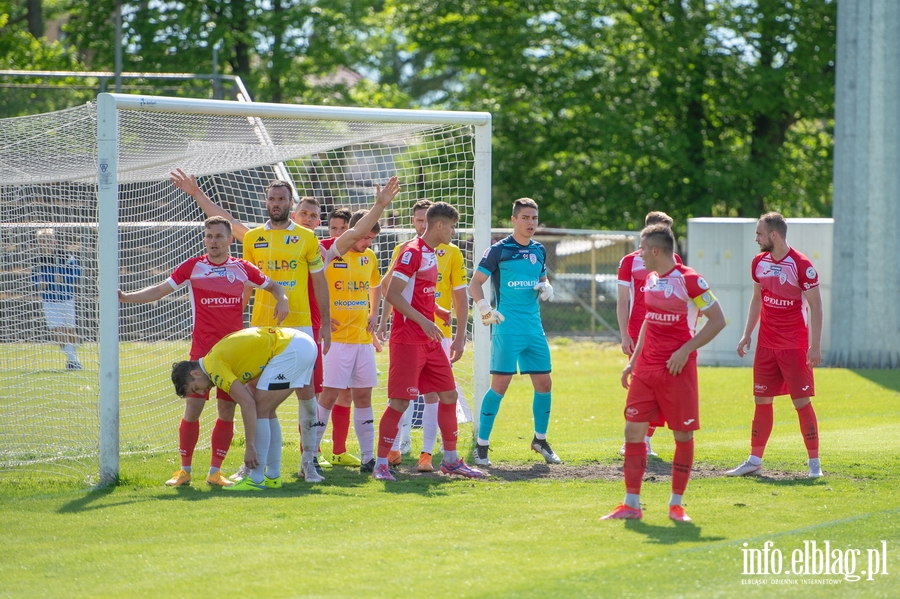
[
  {"x": 293, "y": 367},
  {"x": 350, "y": 365},
  {"x": 60, "y": 314}
]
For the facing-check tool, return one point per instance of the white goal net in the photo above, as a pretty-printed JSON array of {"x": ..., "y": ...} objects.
[{"x": 51, "y": 412}]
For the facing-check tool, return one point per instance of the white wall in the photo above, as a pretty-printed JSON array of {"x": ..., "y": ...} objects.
[{"x": 721, "y": 250}]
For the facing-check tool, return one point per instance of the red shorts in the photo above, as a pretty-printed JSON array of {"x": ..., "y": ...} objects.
[
  {"x": 318, "y": 372},
  {"x": 418, "y": 369},
  {"x": 658, "y": 397},
  {"x": 782, "y": 372}
]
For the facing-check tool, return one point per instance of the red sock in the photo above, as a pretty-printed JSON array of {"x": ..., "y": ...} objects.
[
  {"x": 222, "y": 435},
  {"x": 761, "y": 429},
  {"x": 388, "y": 429},
  {"x": 188, "y": 433},
  {"x": 682, "y": 462},
  {"x": 650, "y": 430},
  {"x": 448, "y": 424},
  {"x": 340, "y": 428},
  {"x": 635, "y": 465},
  {"x": 809, "y": 427}
]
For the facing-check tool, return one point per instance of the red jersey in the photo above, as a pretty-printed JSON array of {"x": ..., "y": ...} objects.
[
  {"x": 217, "y": 292},
  {"x": 417, "y": 266},
  {"x": 674, "y": 302},
  {"x": 783, "y": 318},
  {"x": 632, "y": 274}
]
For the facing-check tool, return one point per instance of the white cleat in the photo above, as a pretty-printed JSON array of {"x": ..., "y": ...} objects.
[
  {"x": 815, "y": 468},
  {"x": 481, "y": 455},
  {"x": 309, "y": 473},
  {"x": 241, "y": 474},
  {"x": 650, "y": 451},
  {"x": 745, "y": 469}
]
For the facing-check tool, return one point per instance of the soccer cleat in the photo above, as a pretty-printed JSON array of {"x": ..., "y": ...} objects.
[
  {"x": 368, "y": 467},
  {"x": 217, "y": 478},
  {"x": 395, "y": 458},
  {"x": 622, "y": 450},
  {"x": 382, "y": 472},
  {"x": 424, "y": 464},
  {"x": 676, "y": 513},
  {"x": 241, "y": 474},
  {"x": 247, "y": 484},
  {"x": 180, "y": 477},
  {"x": 624, "y": 512},
  {"x": 650, "y": 451},
  {"x": 345, "y": 459},
  {"x": 745, "y": 469},
  {"x": 405, "y": 447},
  {"x": 310, "y": 472},
  {"x": 272, "y": 483},
  {"x": 74, "y": 365},
  {"x": 460, "y": 468},
  {"x": 542, "y": 447},
  {"x": 481, "y": 455},
  {"x": 815, "y": 468}
]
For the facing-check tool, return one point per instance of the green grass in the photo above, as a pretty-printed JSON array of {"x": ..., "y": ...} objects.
[{"x": 428, "y": 536}]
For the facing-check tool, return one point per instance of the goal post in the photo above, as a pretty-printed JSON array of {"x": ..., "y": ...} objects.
[
  {"x": 114, "y": 160},
  {"x": 97, "y": 176}
]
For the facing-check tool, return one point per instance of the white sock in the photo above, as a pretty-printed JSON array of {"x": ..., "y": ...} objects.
[
  {"x": 364, "y": 425},
  {"x": 429, "y": 427},
  {"x": 308, "y": 440},
  {"x": 633, "y": 500},
  {"x": 70, "y": 352},
  {"x": 323, "y": 416},
  {"x": 675, "y": 500},
  {"x": 273, "y": 462},
  {"x": 450, "y": 457},
  {"x": 403, "y": 433},
  {"x": 756, "y": 461},
  {"x": 463, "y": 411},
  {"x": 263, "y": 440}
]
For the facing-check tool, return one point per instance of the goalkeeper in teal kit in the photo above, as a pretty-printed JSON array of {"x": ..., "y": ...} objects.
[{"x": 516, "y": 268}]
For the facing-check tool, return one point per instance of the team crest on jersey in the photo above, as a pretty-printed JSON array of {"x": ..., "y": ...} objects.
[
  {"x": 533, "y": 258},
  {"x": 441, "y": 253},
  {"x": 230, "y": 276},
  {"x": 289, "y": 239},
  {"x": 667, "y": 289},
  {"x": 810, "y": 273},
  {"x": 363, "y": 260}
]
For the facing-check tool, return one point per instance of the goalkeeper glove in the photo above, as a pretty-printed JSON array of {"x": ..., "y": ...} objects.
[
  {"x": 488, "y": 314},
  {"x": 545, "y": 289}
]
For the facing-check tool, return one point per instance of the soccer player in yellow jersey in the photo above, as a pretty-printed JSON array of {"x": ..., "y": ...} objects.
[
  {"x": 354, "y": 287},
  {"x": 449, "y": 293},
  {"x": 290, "y": 255},
  {"x": 259, "y": 368}
]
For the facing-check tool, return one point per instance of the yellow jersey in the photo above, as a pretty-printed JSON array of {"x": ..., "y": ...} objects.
[
  {"x": 451, "y": 276},
  {"x": 242, "y": 355},
  {"x": 286, "y": 256},
  {"x": 350, "y": 278}
]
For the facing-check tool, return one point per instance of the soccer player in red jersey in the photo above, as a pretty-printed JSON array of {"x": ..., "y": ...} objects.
[
  {"x": 418, "y": 363},
  {"x": 216, "y": 282},
  {"x": 661, "y": 376},
  {"x": 788, "y": 306},
  {"x": 630, "y": 308}
]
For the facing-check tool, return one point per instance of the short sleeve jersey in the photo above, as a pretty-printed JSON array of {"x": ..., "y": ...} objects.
[
  {"x": 514, "y": 270},
  {"x": 417, "y": 267},
  {"x": 783, "y": 319},
  {"x": 286, "y": 256},
  {"x": 451, "y": 276},
  {"x": 632, "y": 274},
  {"x": 350, "y": 278},
  {"x": 216, "y": 292},
  {"x": 674, "y": 302},
  {"x": 242, "y": 356},
  {"x": 56, "y": 275}
]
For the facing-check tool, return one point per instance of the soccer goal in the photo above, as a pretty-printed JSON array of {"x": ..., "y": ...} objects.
[{"x": 98, "y": 176}]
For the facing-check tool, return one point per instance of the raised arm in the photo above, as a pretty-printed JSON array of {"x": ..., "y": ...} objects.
[
  {"x": 188, "y": 184},
  {"x": 383, "y": 197}
]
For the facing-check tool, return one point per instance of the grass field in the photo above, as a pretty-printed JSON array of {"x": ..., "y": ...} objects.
[{"x": 530, "y": 530}]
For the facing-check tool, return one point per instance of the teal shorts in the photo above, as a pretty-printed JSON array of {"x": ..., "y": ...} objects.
[{"x": 523, "y": 354}]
